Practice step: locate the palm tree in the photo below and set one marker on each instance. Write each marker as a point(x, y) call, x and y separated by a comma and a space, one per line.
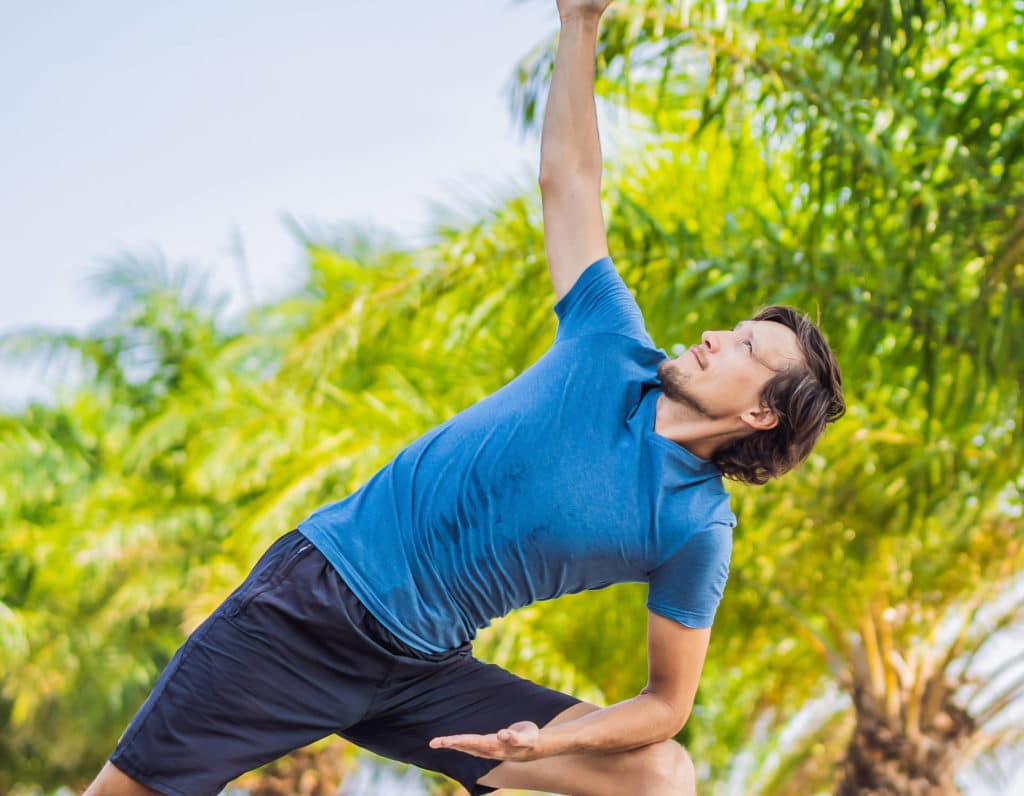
point(840, 157)
point(100, 524)
point(861, 159)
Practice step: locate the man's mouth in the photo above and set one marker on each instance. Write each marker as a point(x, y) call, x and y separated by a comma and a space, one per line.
point(696, 355)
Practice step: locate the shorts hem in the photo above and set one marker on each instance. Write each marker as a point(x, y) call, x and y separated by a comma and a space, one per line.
point(119, 761)
point(475, 788)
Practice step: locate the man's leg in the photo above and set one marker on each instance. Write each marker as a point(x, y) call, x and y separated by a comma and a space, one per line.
point(281, 663)
point(461, 694)
point(661, 769)
point(112, 781)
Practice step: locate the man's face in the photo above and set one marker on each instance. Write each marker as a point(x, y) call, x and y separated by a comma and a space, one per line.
point(723, 377)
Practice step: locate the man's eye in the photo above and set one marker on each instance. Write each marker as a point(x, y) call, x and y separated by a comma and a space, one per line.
point(749, 345)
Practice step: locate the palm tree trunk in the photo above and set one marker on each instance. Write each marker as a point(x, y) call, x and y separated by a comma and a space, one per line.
point(883, 759)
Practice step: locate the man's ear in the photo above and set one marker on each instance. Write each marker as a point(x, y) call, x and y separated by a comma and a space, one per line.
point(761, 419)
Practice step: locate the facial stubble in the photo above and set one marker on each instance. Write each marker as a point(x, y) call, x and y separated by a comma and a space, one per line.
point(675, 387)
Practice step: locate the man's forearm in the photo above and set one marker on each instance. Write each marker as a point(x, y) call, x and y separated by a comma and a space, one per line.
point(637, 722)
point(569, 141)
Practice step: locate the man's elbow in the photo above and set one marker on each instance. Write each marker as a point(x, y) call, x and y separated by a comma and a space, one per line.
point(564, 179)
point(679, 721)
point(674, 716)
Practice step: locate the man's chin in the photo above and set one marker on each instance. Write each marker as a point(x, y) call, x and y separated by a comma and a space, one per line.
point(677, 393)
point(672, 382)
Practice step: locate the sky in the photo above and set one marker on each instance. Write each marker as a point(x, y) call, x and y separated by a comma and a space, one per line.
point(137, 128)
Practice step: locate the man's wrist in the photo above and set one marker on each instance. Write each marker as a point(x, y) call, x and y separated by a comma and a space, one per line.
point(582, 17)
point(572, 737)
point(551, 743)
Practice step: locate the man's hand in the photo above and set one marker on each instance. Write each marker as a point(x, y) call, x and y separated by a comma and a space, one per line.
point(519, 741)
point(571, 8)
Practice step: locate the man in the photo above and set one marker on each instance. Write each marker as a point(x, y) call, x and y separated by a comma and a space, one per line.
point(601, 463)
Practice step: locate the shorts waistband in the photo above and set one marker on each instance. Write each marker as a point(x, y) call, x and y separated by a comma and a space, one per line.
point(373, 627)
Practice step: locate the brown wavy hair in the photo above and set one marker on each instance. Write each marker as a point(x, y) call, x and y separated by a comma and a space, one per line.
point(804, 399)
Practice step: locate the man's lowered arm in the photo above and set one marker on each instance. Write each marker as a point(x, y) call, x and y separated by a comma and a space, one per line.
point(675, 657)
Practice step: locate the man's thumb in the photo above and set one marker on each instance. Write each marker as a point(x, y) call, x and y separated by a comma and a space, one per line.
point(522, 733)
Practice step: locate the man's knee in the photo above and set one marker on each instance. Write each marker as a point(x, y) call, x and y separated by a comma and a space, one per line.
point(670, 770)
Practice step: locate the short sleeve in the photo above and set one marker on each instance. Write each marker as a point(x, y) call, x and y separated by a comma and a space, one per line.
point(599, 302)
point(689, 585)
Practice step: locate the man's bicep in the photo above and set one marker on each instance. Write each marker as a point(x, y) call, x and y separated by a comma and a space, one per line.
point(675, 655)
point(574, 231)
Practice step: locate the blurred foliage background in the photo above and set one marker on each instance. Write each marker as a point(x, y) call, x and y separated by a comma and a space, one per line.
point(859, 160)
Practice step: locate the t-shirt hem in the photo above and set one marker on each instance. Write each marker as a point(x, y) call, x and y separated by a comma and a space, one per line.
point(685, 618)
point(362, 590)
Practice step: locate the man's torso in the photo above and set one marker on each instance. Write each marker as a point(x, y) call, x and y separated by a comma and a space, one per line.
point(554, 484)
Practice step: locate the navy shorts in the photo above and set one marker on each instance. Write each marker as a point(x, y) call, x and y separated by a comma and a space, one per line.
point(292, 656)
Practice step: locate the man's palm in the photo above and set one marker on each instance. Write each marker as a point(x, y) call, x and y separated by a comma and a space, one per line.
point(516, 742)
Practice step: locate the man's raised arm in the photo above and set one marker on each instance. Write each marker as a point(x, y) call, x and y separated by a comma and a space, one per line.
point(570, 150)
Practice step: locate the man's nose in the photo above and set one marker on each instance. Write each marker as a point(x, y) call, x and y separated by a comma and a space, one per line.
point(710, 341)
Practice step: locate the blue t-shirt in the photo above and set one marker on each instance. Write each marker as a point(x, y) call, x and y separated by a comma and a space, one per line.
point(554, 484)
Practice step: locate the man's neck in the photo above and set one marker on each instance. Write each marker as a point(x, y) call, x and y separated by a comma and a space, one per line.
point(699, 434)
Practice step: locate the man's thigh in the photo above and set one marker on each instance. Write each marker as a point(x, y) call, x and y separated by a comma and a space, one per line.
point(424, 699)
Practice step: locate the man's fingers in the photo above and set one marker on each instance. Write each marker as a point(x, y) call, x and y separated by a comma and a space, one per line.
point(486, 744)
point(506, 744)
point(478, 745)
point(460, 740)
point(521, 734)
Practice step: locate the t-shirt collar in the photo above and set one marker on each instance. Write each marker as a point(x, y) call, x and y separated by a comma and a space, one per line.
point(686, 460)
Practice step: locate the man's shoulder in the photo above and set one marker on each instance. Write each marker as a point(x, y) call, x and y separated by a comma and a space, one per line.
point(701, 506)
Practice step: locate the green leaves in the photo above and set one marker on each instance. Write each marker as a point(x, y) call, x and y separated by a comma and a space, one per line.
point(850, 159)
point(862, 162)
